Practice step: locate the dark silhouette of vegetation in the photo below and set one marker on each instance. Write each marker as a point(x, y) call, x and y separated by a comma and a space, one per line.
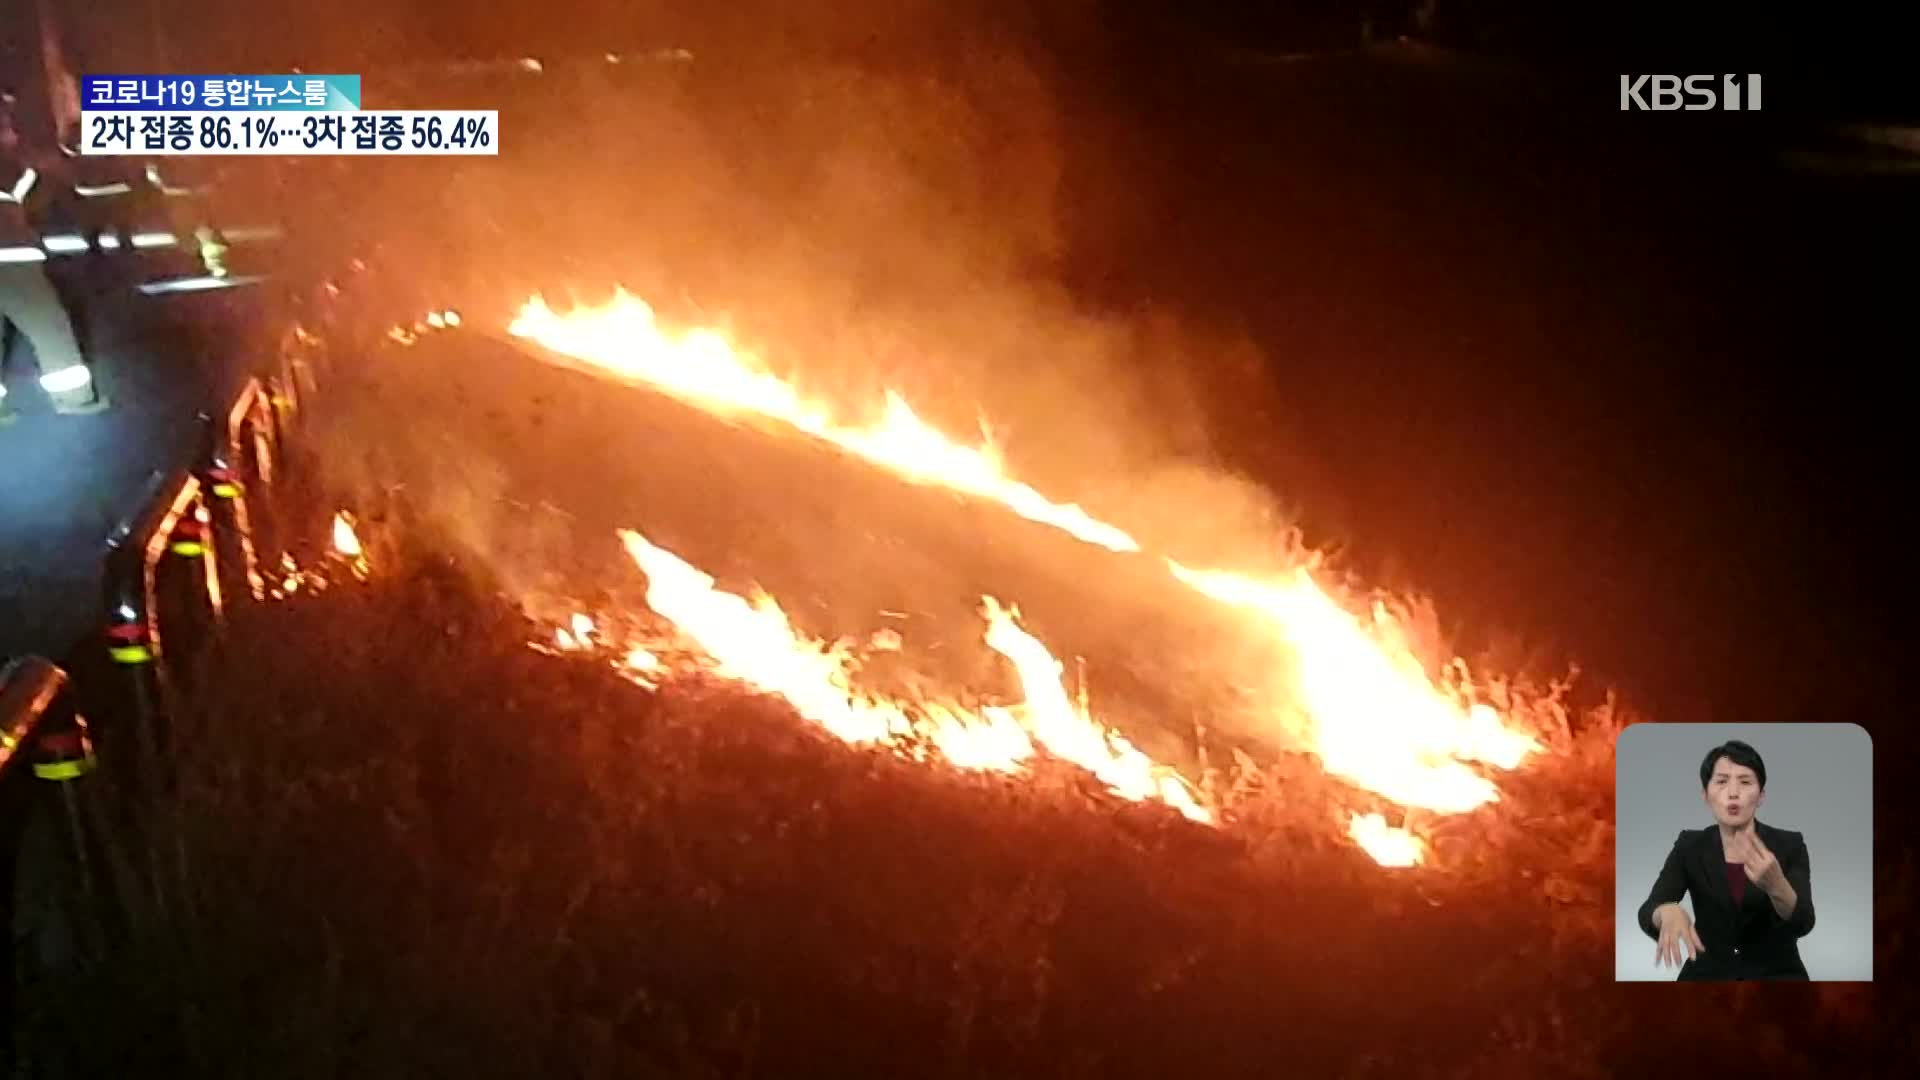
point(401, 843)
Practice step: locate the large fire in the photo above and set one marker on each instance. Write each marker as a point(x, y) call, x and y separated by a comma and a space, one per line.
point(700, 367)
point(1356, 696)
point(753, 642)
point(1375, 717)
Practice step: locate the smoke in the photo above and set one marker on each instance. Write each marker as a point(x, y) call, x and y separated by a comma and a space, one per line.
point(381, 463)
point(894, 199)
point(910, 223)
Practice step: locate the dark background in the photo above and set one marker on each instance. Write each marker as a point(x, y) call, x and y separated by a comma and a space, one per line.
point(1849, 55)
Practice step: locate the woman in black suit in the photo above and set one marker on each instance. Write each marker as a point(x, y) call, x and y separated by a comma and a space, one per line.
point(1752, 893)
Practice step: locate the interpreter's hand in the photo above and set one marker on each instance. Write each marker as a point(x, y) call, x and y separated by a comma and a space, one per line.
point(1677, 936)
point(1762, 868)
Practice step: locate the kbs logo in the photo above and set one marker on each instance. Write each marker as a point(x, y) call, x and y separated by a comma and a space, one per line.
point(1694, 93)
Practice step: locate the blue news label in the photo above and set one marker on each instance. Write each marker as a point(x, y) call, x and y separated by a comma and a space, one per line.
point(433, 132)
point(207, 93)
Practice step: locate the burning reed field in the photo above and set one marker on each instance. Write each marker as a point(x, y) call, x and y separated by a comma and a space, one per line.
point(438, 813)
point(925, 676)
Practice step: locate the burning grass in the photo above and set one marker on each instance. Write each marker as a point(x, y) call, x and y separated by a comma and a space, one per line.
point(403, 843)
point(1313, 667)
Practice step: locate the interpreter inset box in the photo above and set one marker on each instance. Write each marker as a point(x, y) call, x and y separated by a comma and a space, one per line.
point(1743, 852)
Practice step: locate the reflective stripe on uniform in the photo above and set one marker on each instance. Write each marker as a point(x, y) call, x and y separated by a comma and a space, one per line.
point(200, 283)
point(63, 770)
point(160, 183)
point(21, 186)
point(67, 379)
point(218, 243)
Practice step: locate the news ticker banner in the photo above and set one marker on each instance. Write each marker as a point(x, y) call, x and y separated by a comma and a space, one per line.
point(207, 93)
point(227, 115)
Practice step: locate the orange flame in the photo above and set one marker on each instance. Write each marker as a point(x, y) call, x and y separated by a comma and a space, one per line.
point(754, 643)
point(577, 635)
point(700, 367)
point(1388, 846)
point(1364, 703)
point(1068, 732)
point(1373, 715)
point(345, 540)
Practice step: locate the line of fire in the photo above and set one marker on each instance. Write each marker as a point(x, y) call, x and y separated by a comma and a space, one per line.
point(928, 540)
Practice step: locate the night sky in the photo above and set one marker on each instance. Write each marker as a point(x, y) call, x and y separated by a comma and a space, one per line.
point(1855, 53)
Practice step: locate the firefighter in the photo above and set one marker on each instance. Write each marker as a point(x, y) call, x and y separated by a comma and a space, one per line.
point(30, 305)
point(104, 198)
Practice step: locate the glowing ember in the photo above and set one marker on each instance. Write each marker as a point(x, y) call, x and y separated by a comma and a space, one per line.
point(1357, 696)
point(290, 579)
point(1387, 845)
point(576, 635)
point(754, 643)
point(345, 541)
point(290, 575)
